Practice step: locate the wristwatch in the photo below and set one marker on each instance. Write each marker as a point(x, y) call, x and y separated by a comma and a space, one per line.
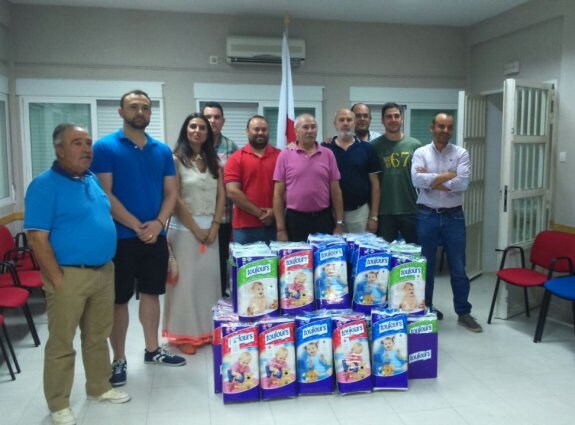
point(374, 218)
point(339, 222)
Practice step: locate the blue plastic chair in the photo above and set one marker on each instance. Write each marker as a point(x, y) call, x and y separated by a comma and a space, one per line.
point(562, 287)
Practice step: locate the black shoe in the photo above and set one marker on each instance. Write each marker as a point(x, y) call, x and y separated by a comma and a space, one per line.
point(469, 323)
point(438, 313)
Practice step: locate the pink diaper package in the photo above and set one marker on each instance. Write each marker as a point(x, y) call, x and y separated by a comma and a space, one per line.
point(351, 353)
point(277, 358)
point(240, 362)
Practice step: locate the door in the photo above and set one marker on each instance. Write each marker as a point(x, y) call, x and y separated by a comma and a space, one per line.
point(525, 195)
point(471, 130)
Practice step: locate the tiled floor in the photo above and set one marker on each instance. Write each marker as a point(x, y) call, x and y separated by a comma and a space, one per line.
point(499, 377)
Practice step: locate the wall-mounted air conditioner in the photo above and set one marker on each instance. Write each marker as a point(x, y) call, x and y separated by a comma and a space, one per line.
point(262, 50)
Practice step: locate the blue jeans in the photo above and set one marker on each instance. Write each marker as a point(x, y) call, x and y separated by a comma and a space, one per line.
point(448, 227)
point(255, 234)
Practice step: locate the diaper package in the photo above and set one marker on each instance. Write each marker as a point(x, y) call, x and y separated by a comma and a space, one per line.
point(254, 282)
point(389, 349)
point(423, 346)
point(351, 353)
point(407, 284)
point(330, 272)
point(295, 277)
point(314, 354)
point(277, 358)
point(240, 368)
point(222, 313)
point(371, 277)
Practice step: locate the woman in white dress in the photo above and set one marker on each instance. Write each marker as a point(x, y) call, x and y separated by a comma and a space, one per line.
point(193, 235)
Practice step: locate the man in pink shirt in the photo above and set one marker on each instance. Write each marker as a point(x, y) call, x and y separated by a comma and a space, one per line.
point(307, 197)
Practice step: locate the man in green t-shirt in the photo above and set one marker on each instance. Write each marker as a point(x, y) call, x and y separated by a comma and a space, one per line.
point(398, 208)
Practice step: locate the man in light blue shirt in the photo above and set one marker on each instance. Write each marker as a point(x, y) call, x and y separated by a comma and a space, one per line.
point(440, 172)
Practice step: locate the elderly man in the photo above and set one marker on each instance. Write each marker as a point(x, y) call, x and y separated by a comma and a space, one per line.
point(225, 147)
point(394, 150)
point(363, 122)
point(307, 183)
point(248, 175)
point(359, 170)
point(138, 174)
point(73, 235)
point(441, 170)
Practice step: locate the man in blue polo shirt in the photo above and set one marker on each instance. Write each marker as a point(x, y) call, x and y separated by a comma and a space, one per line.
point(70, 227)
point(359, 169)
point(138, 174)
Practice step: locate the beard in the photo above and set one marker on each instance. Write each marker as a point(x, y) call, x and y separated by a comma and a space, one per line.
point(345, 134)
point(138, 123)
point(258, 142)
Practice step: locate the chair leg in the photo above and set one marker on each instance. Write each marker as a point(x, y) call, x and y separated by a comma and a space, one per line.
point(526, 301)
point(542, 316)
point(11, 348)
point(31, 325)
point(493, 301)
point(5, 354)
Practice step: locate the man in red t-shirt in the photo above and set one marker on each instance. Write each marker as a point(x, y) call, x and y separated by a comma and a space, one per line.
point(248, 175)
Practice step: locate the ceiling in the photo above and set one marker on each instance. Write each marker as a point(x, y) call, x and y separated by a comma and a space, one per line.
point(417, 12)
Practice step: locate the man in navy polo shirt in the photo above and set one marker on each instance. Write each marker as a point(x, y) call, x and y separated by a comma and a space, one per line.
point(359, 169)
point(74, 239)
point(138, 174)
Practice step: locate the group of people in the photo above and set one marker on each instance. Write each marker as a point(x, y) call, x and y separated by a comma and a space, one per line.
point(103, 218)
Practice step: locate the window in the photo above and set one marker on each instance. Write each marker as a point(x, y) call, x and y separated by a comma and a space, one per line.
point(5, 182)
point(47, 103)
point(419, 107)
point(241, 102)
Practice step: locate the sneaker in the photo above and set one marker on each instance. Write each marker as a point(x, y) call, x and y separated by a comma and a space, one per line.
point(469, 323)
point(163, 356)
point(63, 417)
point(438, 313)
point(119, 373)
point(113, 396)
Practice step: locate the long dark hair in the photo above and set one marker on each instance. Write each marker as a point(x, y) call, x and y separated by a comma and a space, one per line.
point(183, 151)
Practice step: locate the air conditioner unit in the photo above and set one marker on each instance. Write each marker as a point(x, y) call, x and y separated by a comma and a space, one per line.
point(262, 51)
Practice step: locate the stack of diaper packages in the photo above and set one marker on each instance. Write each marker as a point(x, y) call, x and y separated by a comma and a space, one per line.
point(330, 271)
point(389, 349)
point(351, 353)
point(314, 351)
point(254, 281)
point(295, 277)
point(423, 346)
point(240, 362)
point(277, 358)
point(370, 275)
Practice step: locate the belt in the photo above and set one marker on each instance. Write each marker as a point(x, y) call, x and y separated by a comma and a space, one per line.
point(440, 210)
point(83, 266)
point(310, 213)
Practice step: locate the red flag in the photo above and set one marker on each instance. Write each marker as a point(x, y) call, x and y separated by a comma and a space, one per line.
point(286, 114)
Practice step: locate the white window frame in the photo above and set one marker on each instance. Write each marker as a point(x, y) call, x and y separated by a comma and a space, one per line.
point(31, 90)
point(262, 94)
point(412, 98)
point(4, 92)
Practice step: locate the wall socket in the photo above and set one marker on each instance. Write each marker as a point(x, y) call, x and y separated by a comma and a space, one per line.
point(213, 60)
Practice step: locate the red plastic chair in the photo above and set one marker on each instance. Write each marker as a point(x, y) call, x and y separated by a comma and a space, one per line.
point(553, 251)
point(15, 249)
point(10, 347)
point(14, 296)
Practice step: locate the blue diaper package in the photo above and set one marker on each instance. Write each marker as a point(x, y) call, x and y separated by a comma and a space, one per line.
point(389, 349)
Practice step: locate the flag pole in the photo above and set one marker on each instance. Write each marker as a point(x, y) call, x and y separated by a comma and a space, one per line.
point(286, 116)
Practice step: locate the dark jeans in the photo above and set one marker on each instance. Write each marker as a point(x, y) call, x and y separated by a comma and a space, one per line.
point(389, 226)
point(255, 234)
point(300, 225)
point(449, 228)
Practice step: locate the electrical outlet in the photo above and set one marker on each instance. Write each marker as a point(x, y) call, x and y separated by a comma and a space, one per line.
point(213, 60)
